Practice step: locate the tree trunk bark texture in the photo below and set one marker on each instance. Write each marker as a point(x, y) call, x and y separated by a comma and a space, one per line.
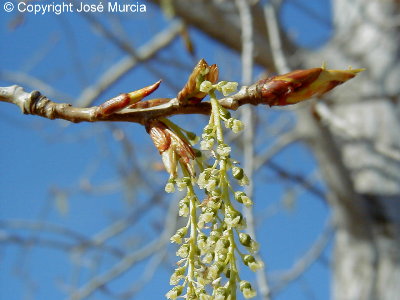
point(363, 128)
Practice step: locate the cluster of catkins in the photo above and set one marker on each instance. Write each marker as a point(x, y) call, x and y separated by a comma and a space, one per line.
point(212, 242)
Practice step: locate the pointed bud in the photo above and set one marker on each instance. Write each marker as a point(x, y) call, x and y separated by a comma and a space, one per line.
point(171, 147)
point(191, 91)
point(159, 134)
point(125, 100)
point(300, 85)
point(138, 95)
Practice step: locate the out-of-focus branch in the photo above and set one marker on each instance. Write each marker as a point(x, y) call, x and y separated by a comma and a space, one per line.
point(126, 263)
point(33, 82)
point(274, 35)
point(282, 142)
point(78, 238)
point(299, 179)
point(150, 269)
point(126, 64)
point(313, 253)
point(248, 135)
point(222, 25)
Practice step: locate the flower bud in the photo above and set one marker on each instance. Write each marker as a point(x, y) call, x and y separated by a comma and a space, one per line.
point(177, 276)
point(248, 259)
point(169, 187)
point(246, 289)
point(221, 291)
point(237, 172)
point(237, 126)
point(174, 292)
point(183, 251)
point(244, 239)
point(229, 87)
point(205, 86)
point(223, 150)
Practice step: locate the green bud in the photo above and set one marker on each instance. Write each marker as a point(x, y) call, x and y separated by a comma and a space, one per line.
point(183, 251)
point(216, 193)
point(174, 292)
point(221, 257)
point(245, 239)
point(238, 196)
point(248, 259)
point(214, 235)
point(244, 284)
point(225, 243)
point(237, 173)
point(201, 237)
point(221, 291)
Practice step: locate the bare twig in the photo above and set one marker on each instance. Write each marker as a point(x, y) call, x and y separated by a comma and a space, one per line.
point(299, 179)
point(35, 104)
point(275, 37)
point(56, 229)
point(313, 253)
point(27, 80)
point(248, 135)
point(282, 142)
point(126, 263)
point(148, 274)
point(126, 64)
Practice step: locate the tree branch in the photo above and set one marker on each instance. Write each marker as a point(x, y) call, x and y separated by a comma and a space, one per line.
point(34, 103)
point(246, 19)
point(127, 63)
point(126, 263)
point(304, 263)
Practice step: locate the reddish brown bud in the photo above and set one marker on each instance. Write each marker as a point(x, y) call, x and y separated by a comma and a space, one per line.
point(150, 103)
point(191, 92)
point(212, 74)
point(122, 101)
point(300, 85)
point(114, 104)
point(170, 146)
point(138, 95)
point(159, 135)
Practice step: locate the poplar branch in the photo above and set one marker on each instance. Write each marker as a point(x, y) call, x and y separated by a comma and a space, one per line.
point(279, 90)
point(34, 103)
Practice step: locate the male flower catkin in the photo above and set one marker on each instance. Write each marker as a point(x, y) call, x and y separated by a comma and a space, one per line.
point(212, 243)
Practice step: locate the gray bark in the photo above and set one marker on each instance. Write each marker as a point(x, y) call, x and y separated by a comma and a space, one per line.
point(363, 127)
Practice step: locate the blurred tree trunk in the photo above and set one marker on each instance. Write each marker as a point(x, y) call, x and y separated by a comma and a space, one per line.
point(355, 134)
point(357, 143)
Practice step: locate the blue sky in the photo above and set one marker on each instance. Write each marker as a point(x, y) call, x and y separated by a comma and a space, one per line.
point(45, 164)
